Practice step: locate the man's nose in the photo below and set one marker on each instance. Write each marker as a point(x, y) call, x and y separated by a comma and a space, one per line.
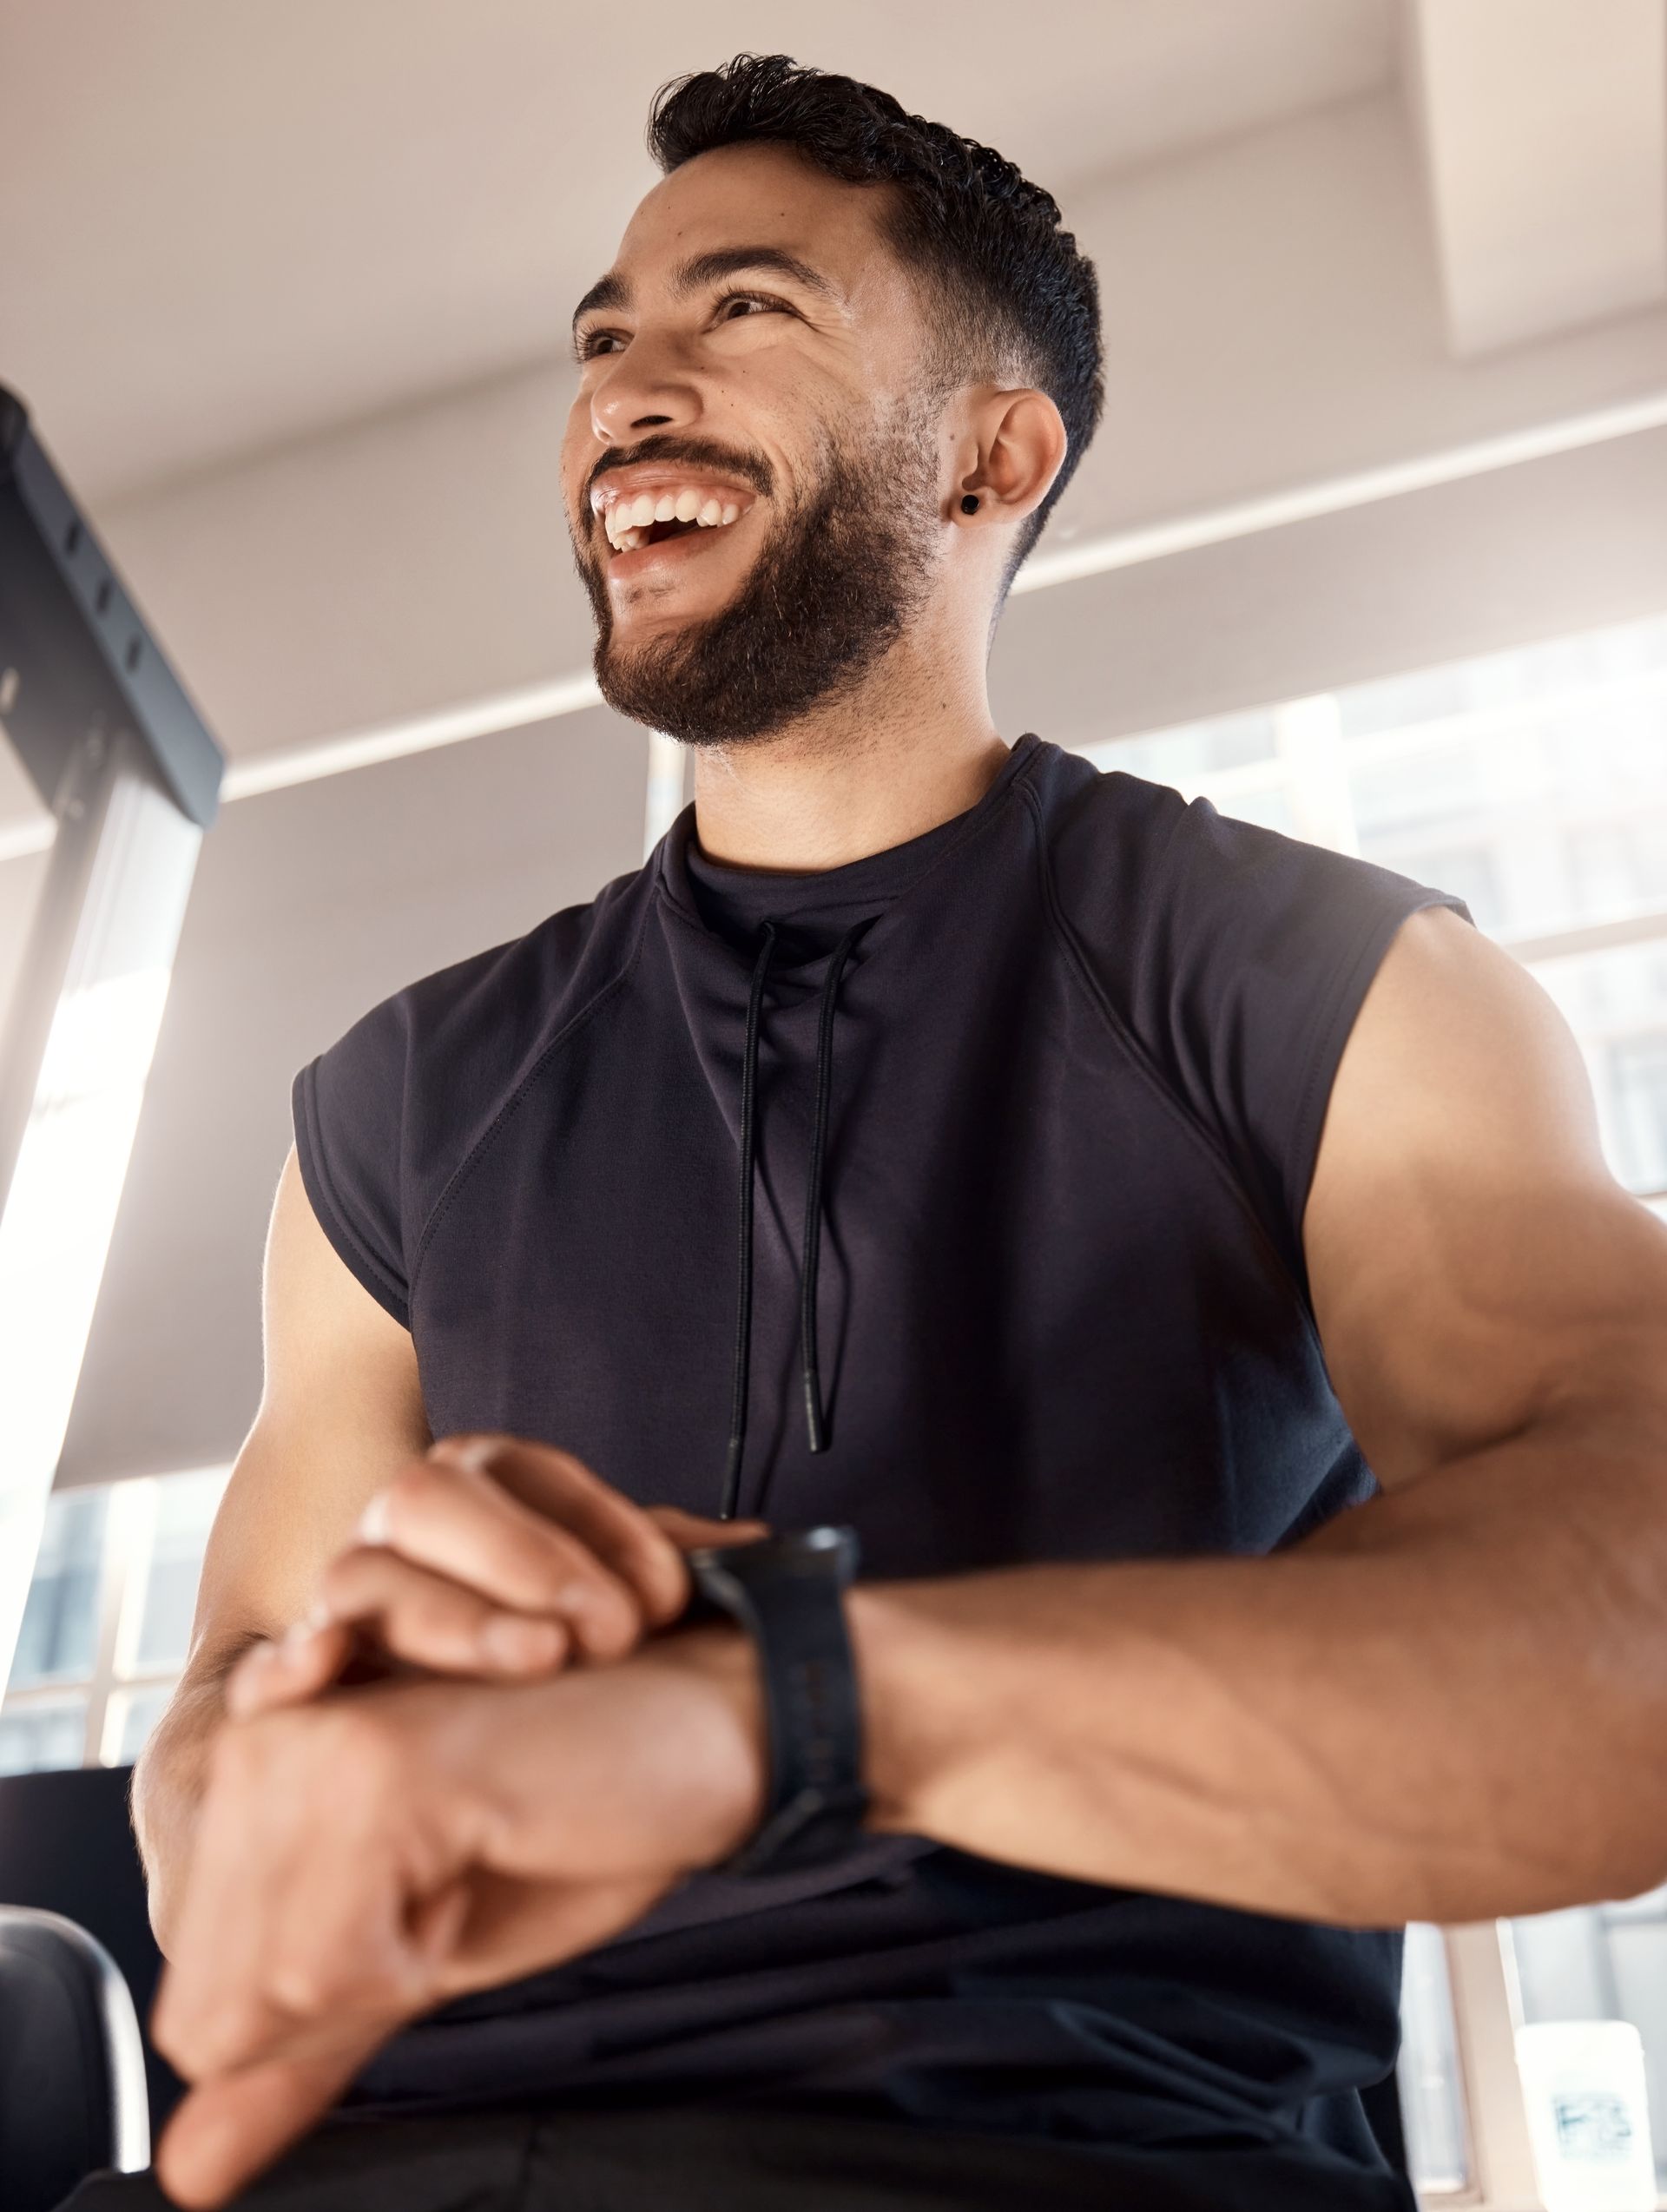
point(646, 389)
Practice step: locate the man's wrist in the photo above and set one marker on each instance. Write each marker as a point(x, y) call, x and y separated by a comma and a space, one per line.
point(723, 1657)
point(789, 1593)
point(661, 1753)
point(916, 1729)
point(913, 1719)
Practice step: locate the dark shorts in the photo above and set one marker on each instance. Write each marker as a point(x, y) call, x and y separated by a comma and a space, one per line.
point(758, 2159)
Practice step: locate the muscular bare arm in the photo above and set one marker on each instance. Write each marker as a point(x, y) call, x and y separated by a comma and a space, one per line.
point(340, 1411)
point(1448, 1703)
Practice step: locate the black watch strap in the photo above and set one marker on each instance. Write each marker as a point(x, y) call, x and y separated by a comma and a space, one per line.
point(787, 1591)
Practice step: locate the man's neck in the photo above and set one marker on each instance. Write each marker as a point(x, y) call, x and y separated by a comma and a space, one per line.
point(855, 779)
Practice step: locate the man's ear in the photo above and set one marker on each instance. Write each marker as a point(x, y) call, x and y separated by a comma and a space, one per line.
point(1014, 448)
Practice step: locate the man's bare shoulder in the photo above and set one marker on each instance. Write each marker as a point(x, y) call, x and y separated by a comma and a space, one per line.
point(1473, 1259)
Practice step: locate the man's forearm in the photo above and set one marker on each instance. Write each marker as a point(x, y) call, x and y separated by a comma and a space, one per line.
point(1448, 1704)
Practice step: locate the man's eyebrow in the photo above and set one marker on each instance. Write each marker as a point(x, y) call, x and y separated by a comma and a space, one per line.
point(732, 260)
point(610, 291)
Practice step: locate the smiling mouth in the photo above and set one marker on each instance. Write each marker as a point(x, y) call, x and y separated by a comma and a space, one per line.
point(635, 519)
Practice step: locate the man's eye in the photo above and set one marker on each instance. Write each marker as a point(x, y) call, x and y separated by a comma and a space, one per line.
point(733, 308)
point(759, 300)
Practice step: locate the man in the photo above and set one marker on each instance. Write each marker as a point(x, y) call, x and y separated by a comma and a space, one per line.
point(1071, 1193)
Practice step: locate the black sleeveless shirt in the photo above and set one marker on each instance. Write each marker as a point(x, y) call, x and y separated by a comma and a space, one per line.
point(1072, 1072)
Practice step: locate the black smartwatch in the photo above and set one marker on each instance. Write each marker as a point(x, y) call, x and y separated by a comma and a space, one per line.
point(787, 1591)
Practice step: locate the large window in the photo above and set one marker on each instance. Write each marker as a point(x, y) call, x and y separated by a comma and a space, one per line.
point(108, 1620)
point(1532, 783)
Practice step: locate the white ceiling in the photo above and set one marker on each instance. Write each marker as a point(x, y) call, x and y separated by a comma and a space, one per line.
point(225, 223)
point(1547, 157)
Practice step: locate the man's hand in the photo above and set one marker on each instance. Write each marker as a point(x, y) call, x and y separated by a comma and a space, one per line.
point(364, 1858)
point(490, 1558)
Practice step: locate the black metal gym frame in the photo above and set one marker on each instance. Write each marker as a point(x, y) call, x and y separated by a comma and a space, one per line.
point(126, 768)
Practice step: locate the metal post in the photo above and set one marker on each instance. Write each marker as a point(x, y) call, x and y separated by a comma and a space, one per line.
point(127, 768)
point(76, 1053)
point(1481, 1965)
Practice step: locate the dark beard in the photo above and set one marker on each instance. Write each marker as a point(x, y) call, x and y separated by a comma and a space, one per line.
point(833, 588)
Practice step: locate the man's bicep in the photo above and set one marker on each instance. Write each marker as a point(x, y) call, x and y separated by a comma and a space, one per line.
point(1472, 1262)
point(340, 1410)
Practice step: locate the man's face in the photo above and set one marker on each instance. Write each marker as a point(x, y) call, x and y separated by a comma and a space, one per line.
point(752, 461)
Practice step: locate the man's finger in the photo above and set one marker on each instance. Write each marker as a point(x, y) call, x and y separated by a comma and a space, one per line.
point(689, 1531)
point(211, 2005)
point(289, 1670)
point(463, 1523)
point(432, 1622)
point(225, 2132)
point(292, 1924)
point(613, 1528)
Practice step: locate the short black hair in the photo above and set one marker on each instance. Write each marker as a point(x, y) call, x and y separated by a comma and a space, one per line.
point(1008, 285)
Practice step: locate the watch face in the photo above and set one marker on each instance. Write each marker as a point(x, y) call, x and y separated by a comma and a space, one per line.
point(817, 1544)
point(822, 1552)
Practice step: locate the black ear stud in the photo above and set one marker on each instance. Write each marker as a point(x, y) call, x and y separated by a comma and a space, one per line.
point(969, 504)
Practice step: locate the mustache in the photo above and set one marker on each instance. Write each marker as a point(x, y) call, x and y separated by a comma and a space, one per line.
point(694, 453)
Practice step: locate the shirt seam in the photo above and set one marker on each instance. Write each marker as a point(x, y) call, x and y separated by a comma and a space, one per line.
point(471, 1159)
point(1202, 1137)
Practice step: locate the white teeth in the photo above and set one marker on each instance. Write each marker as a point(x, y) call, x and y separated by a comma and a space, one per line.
point(628, 520)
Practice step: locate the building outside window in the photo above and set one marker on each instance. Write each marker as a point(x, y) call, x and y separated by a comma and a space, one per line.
point(107, 1624)
point(1533, 783)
